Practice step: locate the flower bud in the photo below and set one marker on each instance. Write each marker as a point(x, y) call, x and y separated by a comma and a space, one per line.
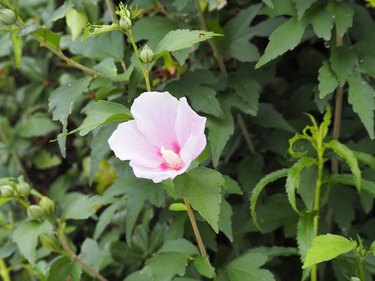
point(34, 212)
point(47, 205)
point(23, 188)
point(146, 55)
point(49, 242)
point(125, 23)
point(7, 17)
point(6, 191)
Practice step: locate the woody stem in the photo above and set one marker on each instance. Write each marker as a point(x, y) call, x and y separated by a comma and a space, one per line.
point(195, 228)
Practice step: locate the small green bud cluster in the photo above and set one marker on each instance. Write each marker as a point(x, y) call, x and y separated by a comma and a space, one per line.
point(7, 17)
point(125, 14)
point(12, 189)
point(146, 55)
point(46, 207)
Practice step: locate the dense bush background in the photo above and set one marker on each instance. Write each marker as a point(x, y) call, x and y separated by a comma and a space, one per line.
point(254, 93)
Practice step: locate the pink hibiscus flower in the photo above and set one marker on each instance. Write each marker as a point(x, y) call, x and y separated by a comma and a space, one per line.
point(165, 136)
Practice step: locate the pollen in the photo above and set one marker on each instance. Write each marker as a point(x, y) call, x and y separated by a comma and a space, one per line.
point(172, 159)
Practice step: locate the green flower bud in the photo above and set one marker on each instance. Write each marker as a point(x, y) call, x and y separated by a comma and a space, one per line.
point(47, 205)
point(49, 242)
point(34, 212)
point(125, 23)
point(23, 188)
point(7, 17)
point(7, 191)
point(146, 55)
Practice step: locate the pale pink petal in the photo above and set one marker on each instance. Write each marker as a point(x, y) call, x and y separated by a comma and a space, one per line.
point(157, 174)
point(128, 143)
point(155, 116)
point(192, 148)
point(188, 123)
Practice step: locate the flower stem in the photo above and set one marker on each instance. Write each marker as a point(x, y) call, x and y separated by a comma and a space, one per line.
point(145, 73)
point(195, 228)
point(318, 186)
point(361, 271)
point(212, 44)
point(73, 256)
point(4, 271)
point(245, 133)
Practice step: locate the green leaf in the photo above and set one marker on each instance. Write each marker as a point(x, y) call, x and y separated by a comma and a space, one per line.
point(170, 260)
point(247, 88)
point(60, 12)
point(102, 112)
point(286, 37)
point(204, 267)
point(202, 187)
point(109, 44)
point(45, 160)
point(247, 267)
point(99, 148)
point(344, 208)
point(35, 125)
point(152, 29)
point(365, 158)
point(348, 155)
point(342, 61)
point(106, 217)
point(26, 237)
point(62, 99)
point(17, 46)
point(76, 22)
point(49, 37)
point(271, 177)
point(361, 97)
point(305, 233)
point(219, 133)
point(343, 16)
point(92, 254)
point(107, 68)
point(275, 251)
point(269, 117)
point(80, 207)
point(348, 179)
point(302, 6)
point(96, 30)
point(293, 179)
point(322, 23)
point(327, 80)
point(225, 219)
point(139, 191)
point(64, 268)
point(181, 39)
point(327, 247)
point(238, 34)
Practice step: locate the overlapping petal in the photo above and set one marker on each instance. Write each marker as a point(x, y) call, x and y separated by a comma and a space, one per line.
point(155, 115)
point(128, 143)
point(188, 123)
point(157, 174)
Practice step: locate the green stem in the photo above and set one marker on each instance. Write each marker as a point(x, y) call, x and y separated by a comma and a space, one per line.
point(316, 207)
point(195, 228)
point(4, 271)
point(245, 133)
point(145, 74)
point(73, 256)
point(361, 271)
point(69, 61)
point(212, 44)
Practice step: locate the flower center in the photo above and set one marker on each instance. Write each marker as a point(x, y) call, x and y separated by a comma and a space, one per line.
point(172, 159)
